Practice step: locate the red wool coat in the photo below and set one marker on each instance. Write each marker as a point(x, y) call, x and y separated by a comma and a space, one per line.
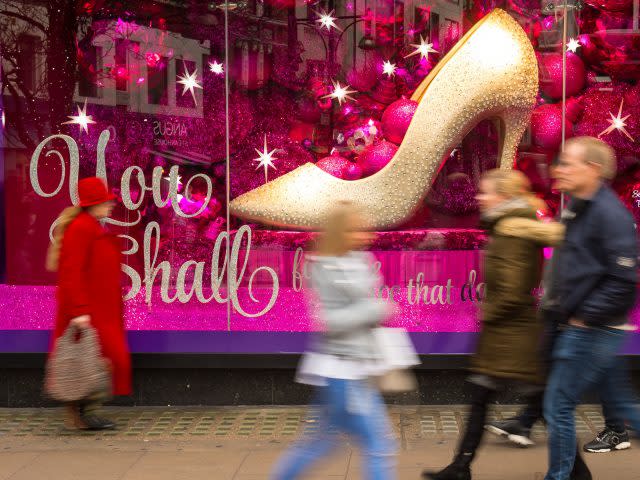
point(89, 283)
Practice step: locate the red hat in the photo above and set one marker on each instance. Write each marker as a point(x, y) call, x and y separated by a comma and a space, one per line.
point(93, 191)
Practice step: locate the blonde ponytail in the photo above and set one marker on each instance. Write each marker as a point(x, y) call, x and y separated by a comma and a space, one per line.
point(56, 233)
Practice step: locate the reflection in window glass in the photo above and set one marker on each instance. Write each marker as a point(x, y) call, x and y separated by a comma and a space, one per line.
point(157, 82)
point(164, 98)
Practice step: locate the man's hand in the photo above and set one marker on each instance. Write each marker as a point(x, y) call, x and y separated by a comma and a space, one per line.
point(83, 321)
point(574, 322)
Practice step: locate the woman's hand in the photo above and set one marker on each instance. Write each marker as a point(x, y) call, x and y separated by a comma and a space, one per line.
point(83, 321)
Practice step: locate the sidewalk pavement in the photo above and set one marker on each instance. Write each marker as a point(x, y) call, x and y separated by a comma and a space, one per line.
point(242, 443)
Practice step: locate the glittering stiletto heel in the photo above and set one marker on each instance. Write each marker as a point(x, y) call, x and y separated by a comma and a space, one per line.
point(513, 122)
point(490, 73)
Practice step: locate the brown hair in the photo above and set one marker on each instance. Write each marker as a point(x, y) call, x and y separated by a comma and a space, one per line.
point(333, 239)
point(597, 152)
point(512, 184)
point(59, 227)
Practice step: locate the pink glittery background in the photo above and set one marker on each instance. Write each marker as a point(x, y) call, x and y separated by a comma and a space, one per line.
point(33, 307)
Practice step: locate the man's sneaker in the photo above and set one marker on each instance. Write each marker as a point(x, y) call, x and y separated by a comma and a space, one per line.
point(608, 440)
point(512, 430)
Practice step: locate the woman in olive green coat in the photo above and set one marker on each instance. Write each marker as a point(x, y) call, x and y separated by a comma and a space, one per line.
point(509, 342)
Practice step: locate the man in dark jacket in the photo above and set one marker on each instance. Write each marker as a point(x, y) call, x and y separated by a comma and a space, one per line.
point(591, 289)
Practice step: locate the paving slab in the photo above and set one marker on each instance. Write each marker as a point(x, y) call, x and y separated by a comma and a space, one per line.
point(243, 443)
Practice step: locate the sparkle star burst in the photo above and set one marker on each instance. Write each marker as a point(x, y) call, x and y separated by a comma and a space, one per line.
point(327, 20)
point(573, 45)
point(424, 49)
point(265, 159)
point(216, 67)
point(189, 81)
point(389, 68)
point(617, 123)
point(341, 93)
point(82, 119)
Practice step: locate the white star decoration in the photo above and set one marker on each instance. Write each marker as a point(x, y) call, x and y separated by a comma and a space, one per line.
point(424, 49)
point(82, 119)
point(389, 68)
point(189, 81)
point(327, 20)
point(216, 67)
point(617, 123)
point(341, 93)
point(573, 45)
point(265, 159)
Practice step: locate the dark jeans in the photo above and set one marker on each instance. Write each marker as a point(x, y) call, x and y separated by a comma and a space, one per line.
point(582, 360)
point(533, 412)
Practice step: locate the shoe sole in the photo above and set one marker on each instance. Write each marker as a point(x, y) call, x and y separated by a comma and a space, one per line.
point(620, 446)
point(519, 440)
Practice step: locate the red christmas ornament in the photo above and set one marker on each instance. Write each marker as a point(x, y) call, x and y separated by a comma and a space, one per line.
point(551, 74)
point(546, 127)
point(396, 119)
point(375, 157)
point(385, 92)
point(593, 52)
point(335, 165)
point(574, 109)
point(354, 172)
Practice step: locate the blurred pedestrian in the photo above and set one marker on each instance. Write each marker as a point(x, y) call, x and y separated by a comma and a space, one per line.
point(344, 355)
point(87, 259)
point(507, 352)
point(592, 289)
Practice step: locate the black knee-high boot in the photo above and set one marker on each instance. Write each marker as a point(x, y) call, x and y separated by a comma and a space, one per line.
point(580, 470)
point(460, 468)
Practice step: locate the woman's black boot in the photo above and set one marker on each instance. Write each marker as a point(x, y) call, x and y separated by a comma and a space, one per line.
point(460, 469)
point(580, 470)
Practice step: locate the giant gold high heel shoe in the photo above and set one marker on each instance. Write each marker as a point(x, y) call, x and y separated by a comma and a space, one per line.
point(491, 72)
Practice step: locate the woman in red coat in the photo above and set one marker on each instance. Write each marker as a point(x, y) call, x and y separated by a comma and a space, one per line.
point(87, 258)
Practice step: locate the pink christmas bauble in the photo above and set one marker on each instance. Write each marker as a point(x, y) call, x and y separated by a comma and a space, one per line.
point(551, 74)
point(396, 119)
point(546, 127)
point(335, 165)
point(354, 172)
point(375, 157)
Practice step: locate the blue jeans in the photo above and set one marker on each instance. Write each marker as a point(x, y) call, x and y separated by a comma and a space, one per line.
point(534, 409)
point(617, 394)
point(583, 358)
point(352, 407)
